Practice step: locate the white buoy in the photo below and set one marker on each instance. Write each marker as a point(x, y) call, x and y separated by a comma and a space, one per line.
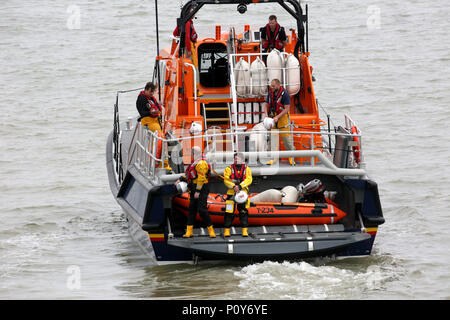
point(196, 128)
point(290, 194)
point(271, 195)
point(292, 75)
point(182, 187)
point(275, 64)
point(258, 73)
point(241, 197)
point(242, 77)
point(257, 138)
point(269, 123)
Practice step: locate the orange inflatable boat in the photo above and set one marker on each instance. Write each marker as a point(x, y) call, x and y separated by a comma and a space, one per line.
point(268, 213)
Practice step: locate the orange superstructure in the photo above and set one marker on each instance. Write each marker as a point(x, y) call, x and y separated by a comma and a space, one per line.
point(198, 88)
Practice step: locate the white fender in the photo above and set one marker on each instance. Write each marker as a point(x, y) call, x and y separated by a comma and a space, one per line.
point(182, 187)
point(242, 77)
point(275, 64)
point(269, 123)
point(258, 137)
point(258, 73)
point(292, 75)
point(241, 197)
point(271, 195)
point(196, 128)
point(290, 194)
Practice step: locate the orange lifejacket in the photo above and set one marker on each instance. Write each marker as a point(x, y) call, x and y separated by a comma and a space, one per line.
point(191, 173)
point(275, 105)
point(274, 41)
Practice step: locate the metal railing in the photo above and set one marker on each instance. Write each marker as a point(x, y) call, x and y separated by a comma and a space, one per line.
point(149, 151)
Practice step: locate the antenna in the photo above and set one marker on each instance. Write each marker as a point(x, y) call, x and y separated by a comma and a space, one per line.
point(157, 50)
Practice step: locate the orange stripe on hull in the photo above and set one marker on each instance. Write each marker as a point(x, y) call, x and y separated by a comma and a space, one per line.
point(156, 237)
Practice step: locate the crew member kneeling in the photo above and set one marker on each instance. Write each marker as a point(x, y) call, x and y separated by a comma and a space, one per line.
point(197, 175)
point(237, 177)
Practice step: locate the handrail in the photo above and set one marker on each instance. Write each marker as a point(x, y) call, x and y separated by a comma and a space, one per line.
point(195, 84)
point(144, 145)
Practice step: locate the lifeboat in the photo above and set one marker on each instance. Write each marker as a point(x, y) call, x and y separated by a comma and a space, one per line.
point(213, 90)
point(269, 213)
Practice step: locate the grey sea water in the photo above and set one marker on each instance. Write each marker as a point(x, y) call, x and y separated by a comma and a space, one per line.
point(63, 236)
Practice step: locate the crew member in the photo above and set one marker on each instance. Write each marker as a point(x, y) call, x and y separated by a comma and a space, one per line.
point(237, 177)
point(149, 109)
point(273, 35)
point(277, 108)
point(190, 37)
point(197, 175)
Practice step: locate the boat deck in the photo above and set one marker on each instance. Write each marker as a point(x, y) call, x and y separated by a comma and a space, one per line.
point(293, 241)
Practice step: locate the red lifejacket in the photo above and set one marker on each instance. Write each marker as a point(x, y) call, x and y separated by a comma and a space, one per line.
point(273, 42)
point(238, 175)
point(191, 35)
point(275, 104)
point(191, 173)
point(154, 107)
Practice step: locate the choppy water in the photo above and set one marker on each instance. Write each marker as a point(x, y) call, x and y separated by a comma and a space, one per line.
point(62, 235)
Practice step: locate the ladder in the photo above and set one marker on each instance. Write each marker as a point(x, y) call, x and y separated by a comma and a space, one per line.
point(213, 115)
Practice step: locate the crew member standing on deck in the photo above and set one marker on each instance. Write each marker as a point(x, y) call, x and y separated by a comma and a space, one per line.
point(273, 35)
point(190, 37)
point(149, 109)
point(277, 108)
point(237, 177)
point(197, 176)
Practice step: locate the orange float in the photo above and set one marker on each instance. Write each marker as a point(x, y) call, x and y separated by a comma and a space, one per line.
point(268, 213)
point(356, 151)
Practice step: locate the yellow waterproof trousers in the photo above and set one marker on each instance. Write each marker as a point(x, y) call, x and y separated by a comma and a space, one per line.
point(152, 124)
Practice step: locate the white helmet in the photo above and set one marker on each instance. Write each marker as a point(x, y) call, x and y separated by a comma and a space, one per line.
point(196, 128)
point(241, 197)
point(269, 123)
point(182, 187)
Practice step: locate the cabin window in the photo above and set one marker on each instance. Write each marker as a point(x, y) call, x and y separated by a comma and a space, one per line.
point(213, 65)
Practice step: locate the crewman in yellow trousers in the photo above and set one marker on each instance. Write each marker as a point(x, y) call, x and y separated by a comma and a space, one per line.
point(149, 109)
point(277, 108)
point(237, 177)
point(197, 176)
point(150, 112)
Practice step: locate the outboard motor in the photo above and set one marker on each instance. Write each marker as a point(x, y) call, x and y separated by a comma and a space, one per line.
point(312, 192)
